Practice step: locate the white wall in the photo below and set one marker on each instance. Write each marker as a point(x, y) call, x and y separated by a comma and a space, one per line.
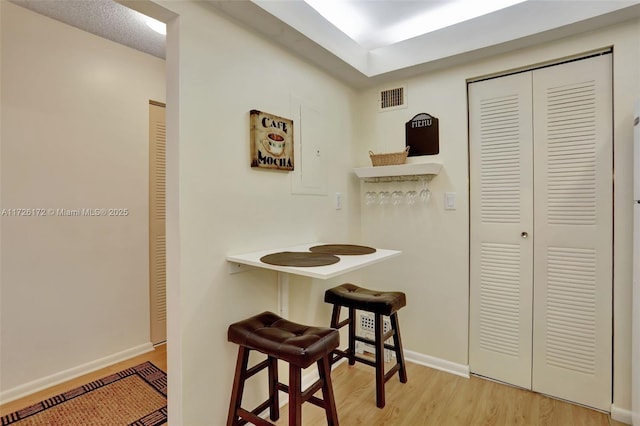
point(218, 205)
point(74, 135)
point(434, 267)
point(218, 72)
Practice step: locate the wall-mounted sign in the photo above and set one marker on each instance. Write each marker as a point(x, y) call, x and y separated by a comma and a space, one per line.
point(271, 141)
point(422, 135)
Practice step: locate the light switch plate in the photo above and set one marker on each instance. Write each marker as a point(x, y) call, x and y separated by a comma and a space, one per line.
point(449, 200)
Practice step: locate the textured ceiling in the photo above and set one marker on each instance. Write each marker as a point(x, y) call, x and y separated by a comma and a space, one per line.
point(104, 18)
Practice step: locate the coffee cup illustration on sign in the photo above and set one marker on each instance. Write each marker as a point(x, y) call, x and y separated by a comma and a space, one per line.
point(271, 141)
point(274, 143)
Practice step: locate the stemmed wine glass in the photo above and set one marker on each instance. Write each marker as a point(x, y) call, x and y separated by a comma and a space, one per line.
point(397, 196)
point(384, 196)
point(412, 194)
point(424, 194)
point(371, 198)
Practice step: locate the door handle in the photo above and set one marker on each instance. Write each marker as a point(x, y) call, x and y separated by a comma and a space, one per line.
point(524, 234)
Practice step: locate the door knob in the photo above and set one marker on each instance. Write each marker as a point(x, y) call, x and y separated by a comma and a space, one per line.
point(524, 234)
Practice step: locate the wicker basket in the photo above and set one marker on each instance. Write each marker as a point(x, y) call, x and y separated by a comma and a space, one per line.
point(391, 159)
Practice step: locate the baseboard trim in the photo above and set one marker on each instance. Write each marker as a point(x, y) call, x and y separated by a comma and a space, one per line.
point(621, 414)
point(438, 363)
point(409, 356)
point(63, 376)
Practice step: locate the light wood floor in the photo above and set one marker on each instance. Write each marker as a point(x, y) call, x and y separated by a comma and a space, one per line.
point(430, 397)
point(158, 357)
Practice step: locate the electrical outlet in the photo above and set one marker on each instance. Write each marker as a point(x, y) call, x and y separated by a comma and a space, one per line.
point(338, 201)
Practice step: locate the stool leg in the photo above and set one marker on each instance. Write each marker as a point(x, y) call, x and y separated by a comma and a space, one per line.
point(295, 396)
point(335, 321)
point(397, 342)
point(379, 345)
point(238, 385)
point(324, 371)
point(274, 407)
point(352, 336)
point(335, 316)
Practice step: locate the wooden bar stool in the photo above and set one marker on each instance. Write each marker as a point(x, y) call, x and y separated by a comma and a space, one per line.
point(300, 346)
point(380, 303)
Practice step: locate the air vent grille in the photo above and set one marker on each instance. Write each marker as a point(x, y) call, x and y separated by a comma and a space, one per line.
point(391, 99)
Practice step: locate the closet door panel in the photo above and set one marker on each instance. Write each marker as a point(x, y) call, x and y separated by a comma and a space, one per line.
point(501, 210)
point(157, 217)
point(572, 106)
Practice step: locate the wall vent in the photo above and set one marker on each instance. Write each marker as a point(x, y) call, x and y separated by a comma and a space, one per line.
point(391, 99)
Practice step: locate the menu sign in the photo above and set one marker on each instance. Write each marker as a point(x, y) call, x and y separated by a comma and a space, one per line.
point(422, 135)
point(271, 141)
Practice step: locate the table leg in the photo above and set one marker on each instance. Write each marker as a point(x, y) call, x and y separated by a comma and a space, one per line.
point(283, 294)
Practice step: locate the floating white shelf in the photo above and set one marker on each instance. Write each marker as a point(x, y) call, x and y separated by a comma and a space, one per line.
point(412, 169)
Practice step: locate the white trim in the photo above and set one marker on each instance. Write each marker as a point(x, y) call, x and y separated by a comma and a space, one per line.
point(71, 373)
point(409, 356)
point(622, 415)
point(438, 363)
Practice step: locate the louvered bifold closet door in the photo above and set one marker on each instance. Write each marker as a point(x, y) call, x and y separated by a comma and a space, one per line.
point(501, 172)
point(157, 208)
point(573, 231)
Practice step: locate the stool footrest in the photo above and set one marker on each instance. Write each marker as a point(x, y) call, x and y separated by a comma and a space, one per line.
point(257, 368)
point(364, 360)
point(338, 354)
point(372, 342)
point(391, 372)
point(307, 394)
point(342, 323)
point(252, 416)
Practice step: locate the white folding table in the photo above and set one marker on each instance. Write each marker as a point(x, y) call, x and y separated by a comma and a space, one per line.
point(346, 264)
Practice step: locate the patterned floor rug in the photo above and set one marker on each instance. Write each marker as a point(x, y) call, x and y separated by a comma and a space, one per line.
point(136, 396)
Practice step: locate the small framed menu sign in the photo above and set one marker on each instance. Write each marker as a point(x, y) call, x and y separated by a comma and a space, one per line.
point(271, 141)
point(422, 135)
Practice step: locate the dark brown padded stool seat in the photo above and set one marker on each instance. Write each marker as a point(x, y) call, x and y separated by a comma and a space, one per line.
point(297, 344)
point(350, 295)
point(380, 303)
